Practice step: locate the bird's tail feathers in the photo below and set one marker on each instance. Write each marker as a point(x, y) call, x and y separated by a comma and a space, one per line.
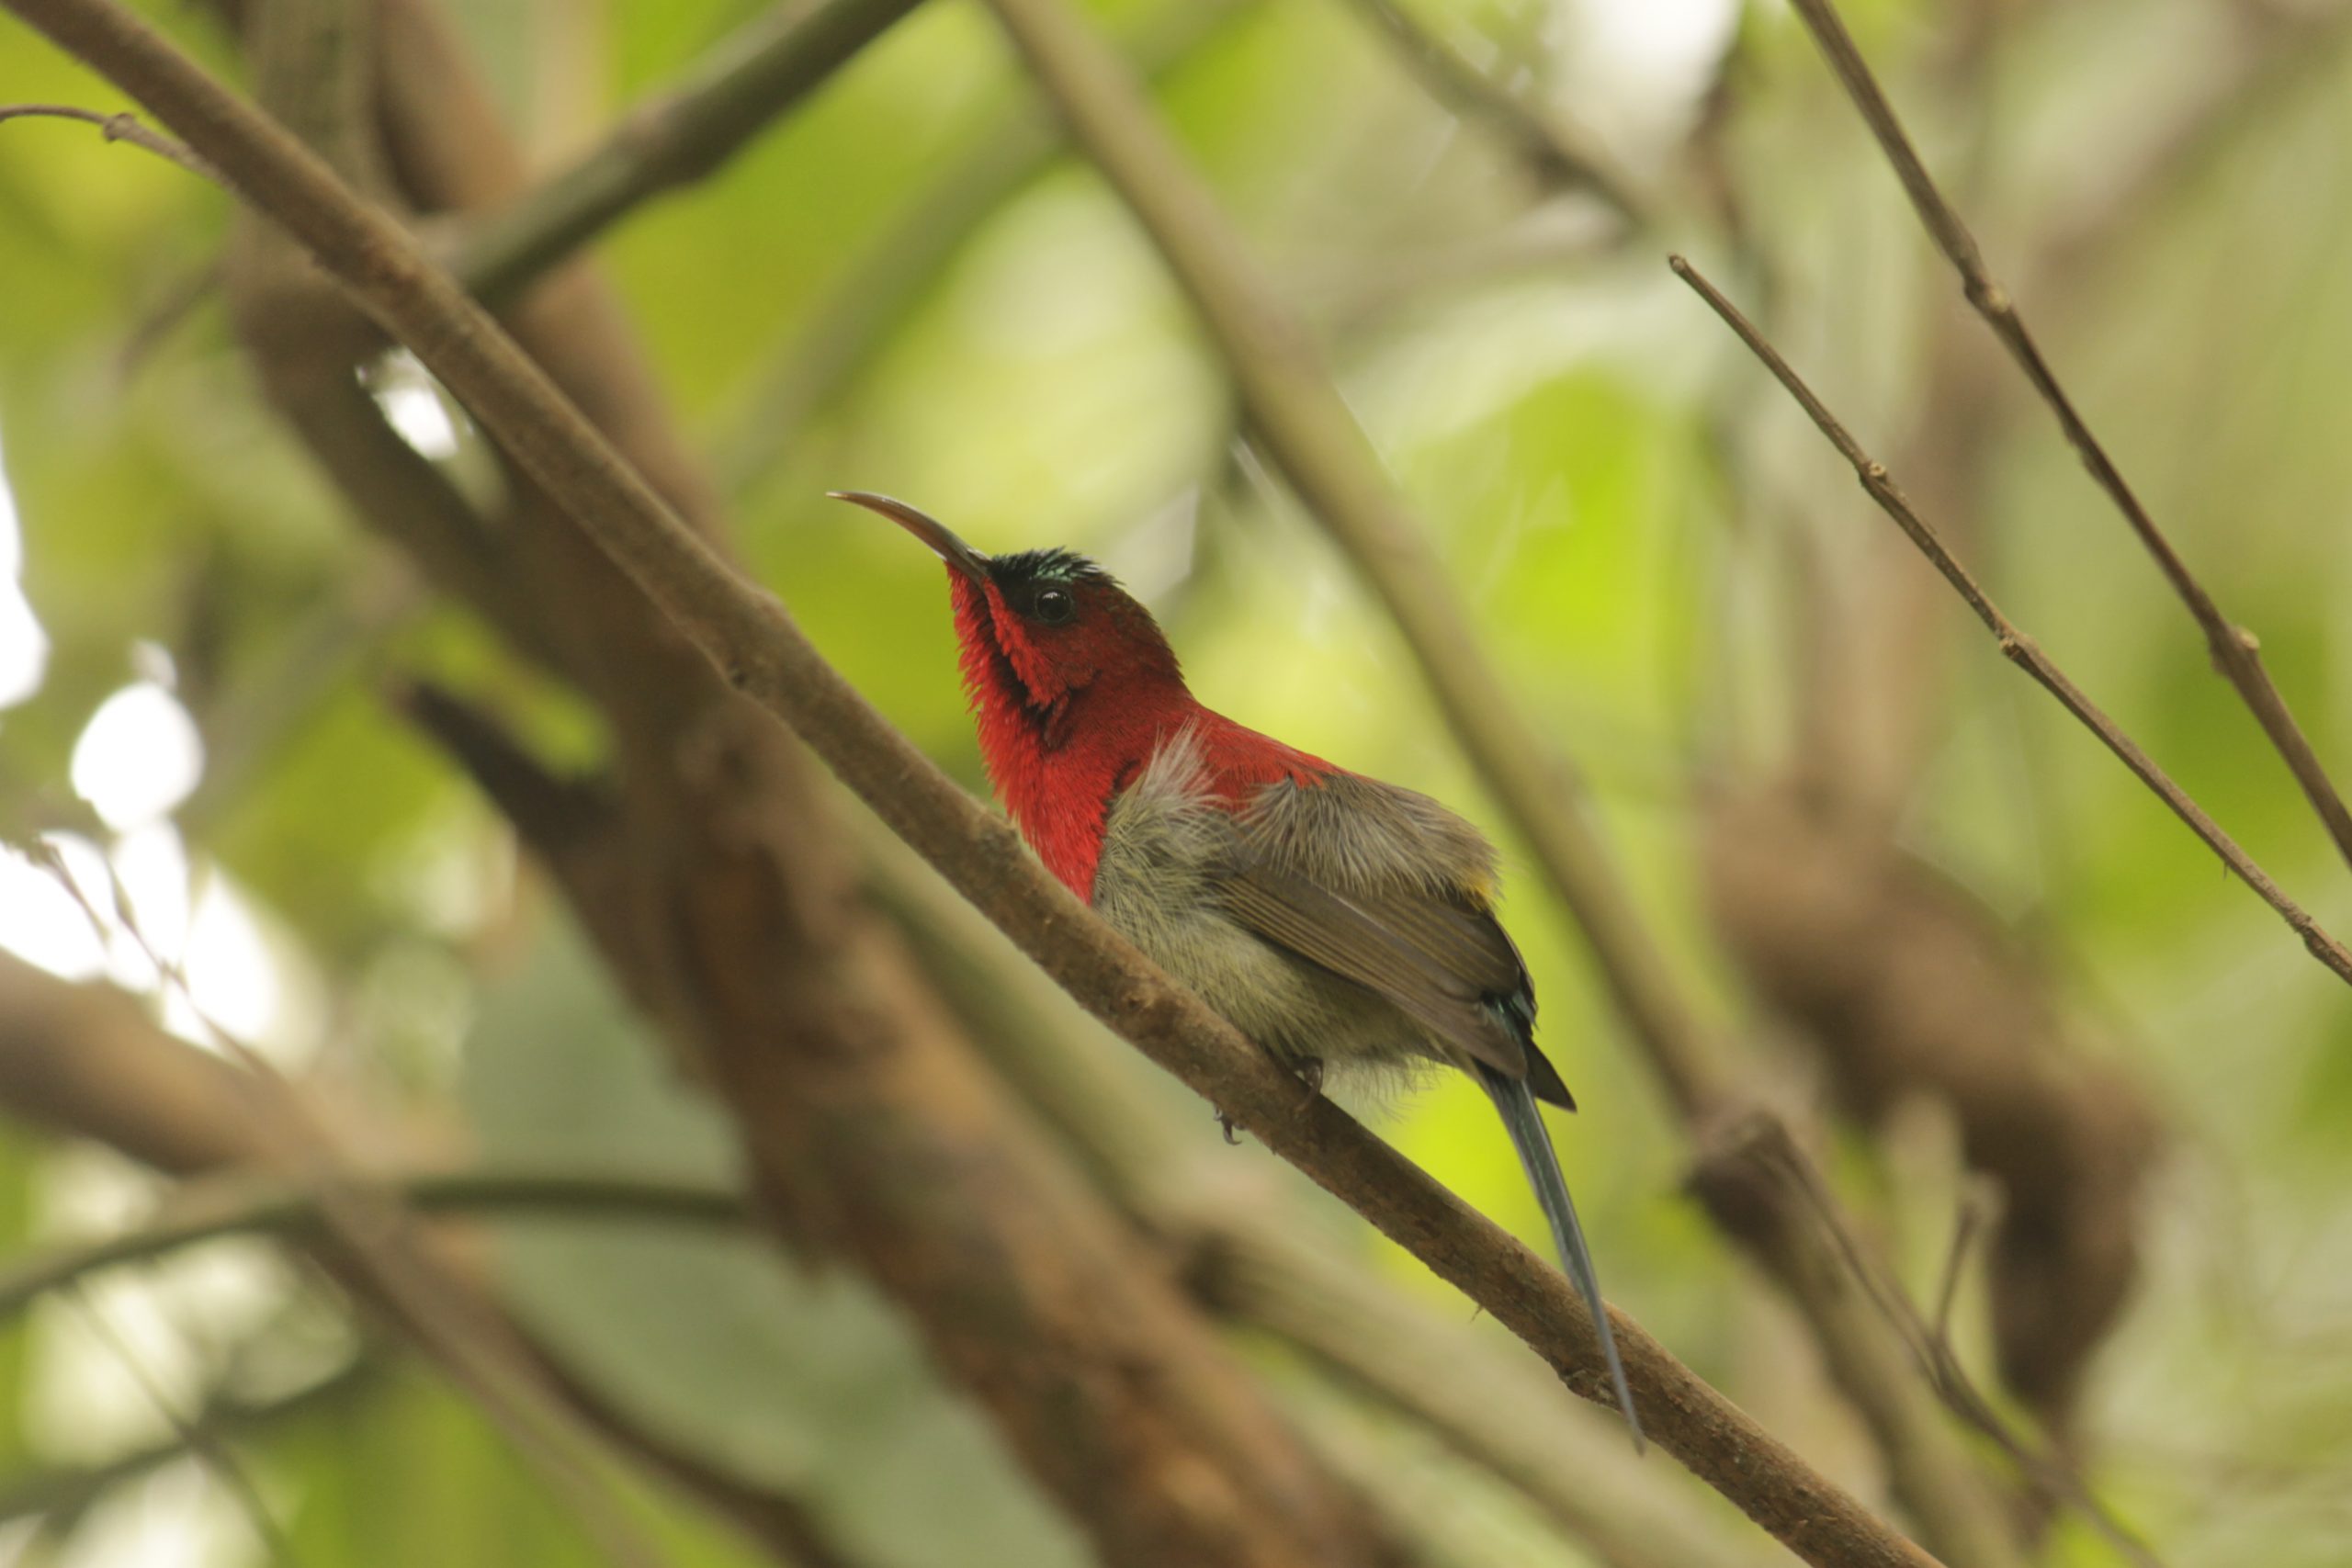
point(1524, 1123)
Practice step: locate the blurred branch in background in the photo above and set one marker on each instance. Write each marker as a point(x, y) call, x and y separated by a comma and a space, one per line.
point(2235, 652)
point(1909, 987)
point(68, 1492)
point(879, 282)
point(242, 1202)
point(673, 140)
point(1556, 158)
point(82, 1060)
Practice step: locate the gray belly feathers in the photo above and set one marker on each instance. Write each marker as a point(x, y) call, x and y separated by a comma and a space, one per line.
point(1169, 853)
point(1345, 922)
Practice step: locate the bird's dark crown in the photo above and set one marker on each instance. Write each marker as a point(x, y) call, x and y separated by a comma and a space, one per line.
point(1028, 567)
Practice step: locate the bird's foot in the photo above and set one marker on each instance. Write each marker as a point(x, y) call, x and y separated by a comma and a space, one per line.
point(1225, 1124)
point(1310, 1075)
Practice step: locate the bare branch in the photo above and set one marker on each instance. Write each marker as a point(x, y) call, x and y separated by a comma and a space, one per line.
point(85, 1060)
point(675, 140)
point(880, 280)
point(2235, 652)
point(247, 1201)
point(2016, 647)
point(749, 639)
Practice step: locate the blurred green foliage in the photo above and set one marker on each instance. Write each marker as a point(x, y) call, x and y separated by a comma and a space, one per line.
point(1628, 508)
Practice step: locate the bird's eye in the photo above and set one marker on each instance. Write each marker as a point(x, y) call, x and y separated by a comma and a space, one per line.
point(1054, 605)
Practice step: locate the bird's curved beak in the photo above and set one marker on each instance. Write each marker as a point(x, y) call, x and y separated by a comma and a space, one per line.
point(922, 525)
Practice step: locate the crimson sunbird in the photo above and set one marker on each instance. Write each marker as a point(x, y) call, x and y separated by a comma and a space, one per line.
point(1332, 919)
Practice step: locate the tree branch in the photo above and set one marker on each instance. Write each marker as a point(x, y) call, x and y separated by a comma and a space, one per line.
point(247, 1201)
point(674, 140)
point(1253, 1258)
point(879, 282)
point(2016, 647)
point(1553, 158)
point(748, 636)
point(2235, 652)
point(85, 1060)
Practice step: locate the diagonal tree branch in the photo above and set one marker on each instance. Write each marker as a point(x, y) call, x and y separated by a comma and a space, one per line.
point(85, 1060)
point(2234, 650)
point(1260, 1262)
point(674, 140)
point(2016, 647)
point(850, 322)
point(749, 639)
point(246, 1201)
point(703, 873)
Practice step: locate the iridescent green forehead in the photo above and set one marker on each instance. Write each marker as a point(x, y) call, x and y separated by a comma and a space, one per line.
point(1035, 566)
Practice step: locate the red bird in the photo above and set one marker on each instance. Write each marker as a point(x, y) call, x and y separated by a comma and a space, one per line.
point(1332, 918)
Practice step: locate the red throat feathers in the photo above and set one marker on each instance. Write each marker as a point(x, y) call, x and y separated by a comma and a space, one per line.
point(1069, 712)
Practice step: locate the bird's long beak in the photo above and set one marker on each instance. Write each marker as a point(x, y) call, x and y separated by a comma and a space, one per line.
point(923, 526)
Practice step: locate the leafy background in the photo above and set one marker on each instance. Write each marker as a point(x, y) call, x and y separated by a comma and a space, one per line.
point(1642, 532)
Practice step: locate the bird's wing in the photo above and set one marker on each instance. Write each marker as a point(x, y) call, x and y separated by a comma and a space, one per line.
point(1414, 952)
point(1395, 915)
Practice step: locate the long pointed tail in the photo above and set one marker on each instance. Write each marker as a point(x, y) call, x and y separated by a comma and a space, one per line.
point(1534, 1142)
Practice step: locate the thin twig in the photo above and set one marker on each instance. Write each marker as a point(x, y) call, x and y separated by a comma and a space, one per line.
point(753, 642)
point(1966, 1223)
point(242, 1203)
point(2050, 1470)
point(121, 127)
point(2016, 647)
point(2235, 652)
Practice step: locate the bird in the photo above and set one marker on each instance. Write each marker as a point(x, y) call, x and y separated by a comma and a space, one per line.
point(1335, 919)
